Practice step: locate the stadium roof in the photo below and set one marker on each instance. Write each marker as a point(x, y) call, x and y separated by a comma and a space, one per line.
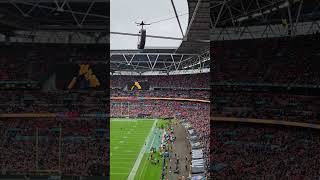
point(197, 35)
point(33, 19)
point(164, 61)
point(249, 19)
point(193, 52)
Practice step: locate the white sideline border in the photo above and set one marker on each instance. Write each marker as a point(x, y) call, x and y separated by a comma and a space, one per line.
point(141, 154)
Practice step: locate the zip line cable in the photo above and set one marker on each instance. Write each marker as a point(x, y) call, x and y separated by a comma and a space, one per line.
point(168, 18)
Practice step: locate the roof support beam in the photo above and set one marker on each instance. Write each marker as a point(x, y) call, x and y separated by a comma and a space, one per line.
point(177, 17)
point(65, 10)
point(290, 28)
point(161, 54)
point(298, 16)
point(192, 19)
point(262, 31)
point(140, 62)
point(218, 18)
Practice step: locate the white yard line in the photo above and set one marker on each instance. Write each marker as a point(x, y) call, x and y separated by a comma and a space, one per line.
point(141, 154)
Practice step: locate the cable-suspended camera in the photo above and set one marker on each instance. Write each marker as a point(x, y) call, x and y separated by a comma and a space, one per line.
point(142, 35)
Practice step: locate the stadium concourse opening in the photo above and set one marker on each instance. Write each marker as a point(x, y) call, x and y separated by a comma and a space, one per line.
point(53, 81)
point(160, 93)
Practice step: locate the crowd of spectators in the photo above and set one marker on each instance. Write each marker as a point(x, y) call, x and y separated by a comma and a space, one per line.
point(265, 79)
point(274, 60)
point(84, 146)
point(38, 144)
point(53, 144)
point(267, 105)
point(255, 151)
point(168, 93)
point(186, 81)
point(52, 102)
point(13, 69)
point(279, 80)
point(33, 61)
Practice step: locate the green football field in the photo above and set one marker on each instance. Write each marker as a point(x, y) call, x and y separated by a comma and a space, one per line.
point(130, 142)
